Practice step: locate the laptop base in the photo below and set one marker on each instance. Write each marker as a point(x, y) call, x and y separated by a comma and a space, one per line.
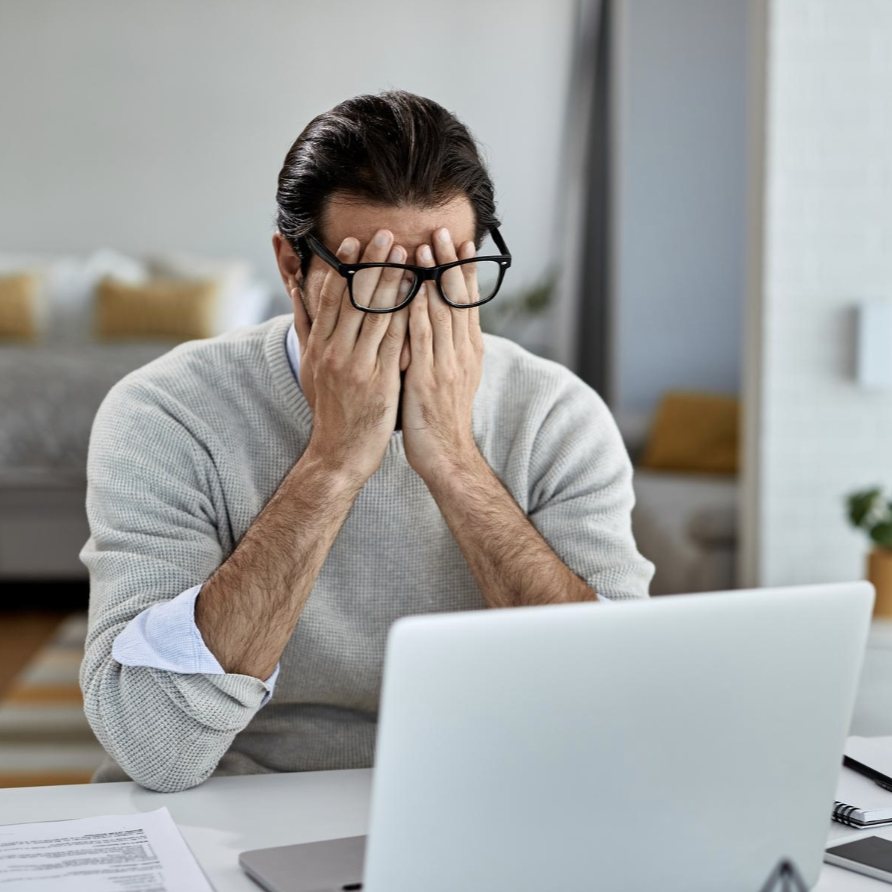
point(332, 865)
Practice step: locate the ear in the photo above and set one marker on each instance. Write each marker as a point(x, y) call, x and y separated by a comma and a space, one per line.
point(288, 261)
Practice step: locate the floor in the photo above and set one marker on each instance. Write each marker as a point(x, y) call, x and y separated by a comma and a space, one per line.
point(30, 612)
point(21, 634)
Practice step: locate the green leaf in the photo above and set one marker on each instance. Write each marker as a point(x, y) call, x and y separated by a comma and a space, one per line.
point(860, 504)
point(538, 298)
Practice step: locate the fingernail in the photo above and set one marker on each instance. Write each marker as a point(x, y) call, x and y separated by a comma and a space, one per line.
point(346, 246)
point(395, 255)
point(426, 253)
point(381, 238)
point(444, 236)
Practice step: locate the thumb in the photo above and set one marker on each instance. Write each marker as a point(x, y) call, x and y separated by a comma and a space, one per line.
point(301, 319)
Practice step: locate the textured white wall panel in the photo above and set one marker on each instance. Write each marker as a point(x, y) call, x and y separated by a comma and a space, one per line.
point(826, 245)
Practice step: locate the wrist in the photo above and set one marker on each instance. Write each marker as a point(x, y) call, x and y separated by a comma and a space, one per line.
point(339, 476)
point(455, 470)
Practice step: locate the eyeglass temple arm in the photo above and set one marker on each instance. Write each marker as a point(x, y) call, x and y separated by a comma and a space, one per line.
point(500, 242)
point(324, 253)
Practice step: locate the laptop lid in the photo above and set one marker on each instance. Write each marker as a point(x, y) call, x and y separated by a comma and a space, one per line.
point(684, 743)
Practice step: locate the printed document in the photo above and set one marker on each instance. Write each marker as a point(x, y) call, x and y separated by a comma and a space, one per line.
point(137, 853)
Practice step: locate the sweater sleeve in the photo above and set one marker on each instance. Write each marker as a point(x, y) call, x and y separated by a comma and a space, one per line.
point(165, 636)
point(153, 533)
point(581, 495)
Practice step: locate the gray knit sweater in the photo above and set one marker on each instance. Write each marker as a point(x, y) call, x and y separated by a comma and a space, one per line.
point(184, 454)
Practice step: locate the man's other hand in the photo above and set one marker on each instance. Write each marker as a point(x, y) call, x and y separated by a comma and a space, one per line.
point(445, 368)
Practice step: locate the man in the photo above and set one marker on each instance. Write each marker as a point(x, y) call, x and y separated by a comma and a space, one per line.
point(264, 504)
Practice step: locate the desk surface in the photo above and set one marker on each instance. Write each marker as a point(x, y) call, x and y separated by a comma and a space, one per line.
point(228, 815)
point(221, 817)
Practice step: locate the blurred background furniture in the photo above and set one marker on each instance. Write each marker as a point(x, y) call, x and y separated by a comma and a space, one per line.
point(687, 491)
point(66, 350)
point(687, 525)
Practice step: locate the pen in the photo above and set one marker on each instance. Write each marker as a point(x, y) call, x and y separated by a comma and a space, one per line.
point(880, 779)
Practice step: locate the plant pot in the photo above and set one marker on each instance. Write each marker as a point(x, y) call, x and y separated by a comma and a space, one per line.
point(879, 572)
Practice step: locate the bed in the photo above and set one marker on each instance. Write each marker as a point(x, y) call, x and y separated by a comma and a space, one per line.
point(51, 387)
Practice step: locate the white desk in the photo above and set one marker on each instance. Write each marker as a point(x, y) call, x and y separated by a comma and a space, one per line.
point(221, 817)
point(872, 716)
point(227, 815)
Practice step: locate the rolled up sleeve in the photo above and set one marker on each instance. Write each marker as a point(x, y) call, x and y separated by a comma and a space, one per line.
point(154, 532)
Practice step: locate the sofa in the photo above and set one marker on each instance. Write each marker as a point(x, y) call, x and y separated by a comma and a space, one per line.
point(683, 521)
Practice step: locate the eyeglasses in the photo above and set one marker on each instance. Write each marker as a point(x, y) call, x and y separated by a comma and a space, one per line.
point(388, 287)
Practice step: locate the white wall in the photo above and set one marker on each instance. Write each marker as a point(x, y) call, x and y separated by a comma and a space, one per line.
point(823, 241)
point(679, 198)
point(163, 125)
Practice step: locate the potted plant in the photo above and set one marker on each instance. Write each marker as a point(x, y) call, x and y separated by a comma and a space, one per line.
point(510, 315)
point(869, 510)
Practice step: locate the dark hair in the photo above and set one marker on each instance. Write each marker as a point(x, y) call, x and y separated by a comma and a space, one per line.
point(392, 149)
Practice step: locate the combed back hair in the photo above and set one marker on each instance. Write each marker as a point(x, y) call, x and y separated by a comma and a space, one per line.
point(393, 149)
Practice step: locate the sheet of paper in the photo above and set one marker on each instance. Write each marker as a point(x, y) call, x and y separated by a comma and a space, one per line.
point(138, 853)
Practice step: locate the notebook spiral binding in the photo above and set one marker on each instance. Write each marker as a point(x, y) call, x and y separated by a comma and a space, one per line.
point(843, 814)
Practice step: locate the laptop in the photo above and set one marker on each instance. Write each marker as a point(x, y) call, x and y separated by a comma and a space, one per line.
point(685, 743)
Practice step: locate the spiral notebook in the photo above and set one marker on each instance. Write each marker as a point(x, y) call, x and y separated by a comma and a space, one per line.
point(860, 802)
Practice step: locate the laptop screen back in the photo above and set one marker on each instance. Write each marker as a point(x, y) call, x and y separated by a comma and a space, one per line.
point(685, 743)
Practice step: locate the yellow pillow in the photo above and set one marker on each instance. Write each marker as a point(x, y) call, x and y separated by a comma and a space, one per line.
point(161, 308)
point(697, 432)
point(19, 308)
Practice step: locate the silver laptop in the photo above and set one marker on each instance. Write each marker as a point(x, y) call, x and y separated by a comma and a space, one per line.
point(686, 744)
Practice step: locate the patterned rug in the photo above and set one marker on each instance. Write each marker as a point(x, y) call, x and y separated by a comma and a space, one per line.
point(44, 735)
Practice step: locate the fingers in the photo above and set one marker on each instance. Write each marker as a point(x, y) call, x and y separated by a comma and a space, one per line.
point(334, 298)
point(465, 252)
point(379, 288)
point(453, 283)
point(301, 319)
point(406, 352)
point(394, 342)
point(439, 313)
point(385, 333)
point(420, 329)
point(382, 288)
point(370, 288)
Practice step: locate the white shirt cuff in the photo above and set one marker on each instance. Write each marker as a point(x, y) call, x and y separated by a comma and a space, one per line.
point(164, 636)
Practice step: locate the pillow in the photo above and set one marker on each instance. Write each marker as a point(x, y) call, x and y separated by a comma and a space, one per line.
point(161, 308)
point(21, 311)
point(240, 302)
point(695, 432)
point(67, 285)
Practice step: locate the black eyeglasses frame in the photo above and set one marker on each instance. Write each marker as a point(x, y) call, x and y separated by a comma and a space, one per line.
point(422, 273)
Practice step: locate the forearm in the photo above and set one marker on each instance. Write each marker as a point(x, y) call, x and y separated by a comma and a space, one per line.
point(248, 609)
point(511, 562)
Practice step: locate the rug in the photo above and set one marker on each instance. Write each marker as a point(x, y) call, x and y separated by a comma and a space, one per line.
point(44, 735)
